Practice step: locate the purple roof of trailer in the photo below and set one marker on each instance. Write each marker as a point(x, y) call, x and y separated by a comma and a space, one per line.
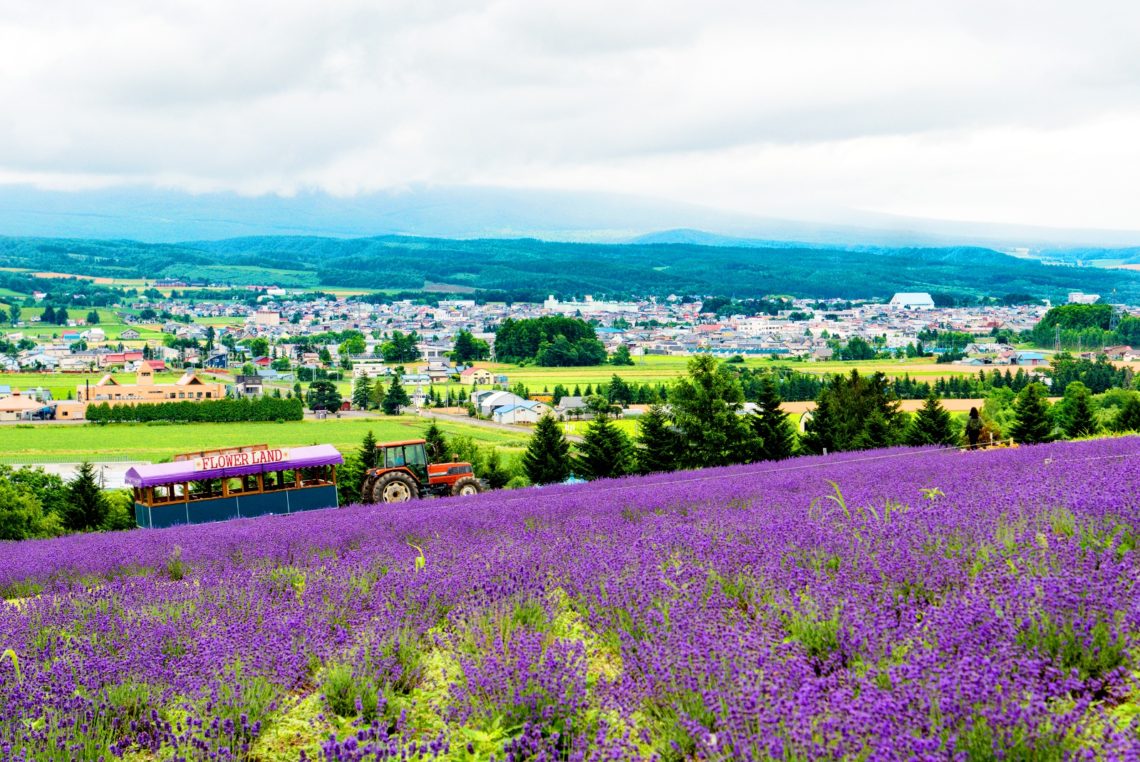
point(184, 471)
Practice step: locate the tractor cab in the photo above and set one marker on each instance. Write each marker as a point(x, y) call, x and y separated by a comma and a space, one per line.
point(409, 455)
point(402, 473)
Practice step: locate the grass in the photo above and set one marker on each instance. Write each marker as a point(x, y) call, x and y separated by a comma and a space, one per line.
point(153, 442)
point(578, 428)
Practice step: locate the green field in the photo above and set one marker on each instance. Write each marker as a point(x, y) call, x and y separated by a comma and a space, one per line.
point(654, 369)
point(109, 321)
point(155, 442)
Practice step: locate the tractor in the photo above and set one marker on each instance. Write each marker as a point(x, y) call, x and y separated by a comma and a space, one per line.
point(402, 473)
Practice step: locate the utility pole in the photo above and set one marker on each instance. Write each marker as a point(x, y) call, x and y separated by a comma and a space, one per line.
point(1057, 338)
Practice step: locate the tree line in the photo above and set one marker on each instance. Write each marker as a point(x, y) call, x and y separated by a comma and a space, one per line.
point(205, 411)
point(704, 424)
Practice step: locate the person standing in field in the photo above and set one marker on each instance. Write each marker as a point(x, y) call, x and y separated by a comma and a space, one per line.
point(974, 428)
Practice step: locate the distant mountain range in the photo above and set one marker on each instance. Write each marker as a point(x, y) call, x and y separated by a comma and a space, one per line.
point(168, 216)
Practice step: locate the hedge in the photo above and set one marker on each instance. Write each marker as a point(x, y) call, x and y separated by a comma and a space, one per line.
point(209, 411)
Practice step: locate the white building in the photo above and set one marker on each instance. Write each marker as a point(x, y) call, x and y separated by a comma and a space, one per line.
point(586, 307)
point(266, 317)
point(369, 368)
point(919, 300)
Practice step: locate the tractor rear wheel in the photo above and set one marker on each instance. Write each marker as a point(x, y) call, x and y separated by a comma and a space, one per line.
point(395, 487)
point(366, 490)
point(468, 485)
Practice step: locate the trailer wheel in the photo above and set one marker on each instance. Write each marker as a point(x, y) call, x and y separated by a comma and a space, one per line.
point(395, 487)
point(468, 485)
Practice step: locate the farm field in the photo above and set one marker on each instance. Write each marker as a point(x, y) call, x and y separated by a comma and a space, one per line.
point(657, 368)
point(154, 442)
point(654, 369)
point(879, 605)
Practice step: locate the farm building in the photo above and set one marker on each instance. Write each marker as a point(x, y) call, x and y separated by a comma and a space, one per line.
point(525, 412)
point(476, 376)
point(111, 391)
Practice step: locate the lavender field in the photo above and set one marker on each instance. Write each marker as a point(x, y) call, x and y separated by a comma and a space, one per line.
point(873, 606)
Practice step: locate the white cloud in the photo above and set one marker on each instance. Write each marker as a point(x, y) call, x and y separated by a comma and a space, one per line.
point(1012, 111)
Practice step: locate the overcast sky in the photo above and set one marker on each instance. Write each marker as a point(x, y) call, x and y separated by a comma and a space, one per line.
point(1017, 112)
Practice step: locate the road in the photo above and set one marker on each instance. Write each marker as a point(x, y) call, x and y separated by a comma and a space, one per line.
point(110, 475)
point(468, 420)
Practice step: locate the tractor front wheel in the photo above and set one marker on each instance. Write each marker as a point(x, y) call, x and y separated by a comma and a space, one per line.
point(468, 485)
point(395, 487)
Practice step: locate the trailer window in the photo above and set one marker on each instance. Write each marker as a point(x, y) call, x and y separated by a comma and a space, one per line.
point(206, 489)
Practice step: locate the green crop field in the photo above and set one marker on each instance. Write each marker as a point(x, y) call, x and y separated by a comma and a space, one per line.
point(155, 442)
point(654, 369)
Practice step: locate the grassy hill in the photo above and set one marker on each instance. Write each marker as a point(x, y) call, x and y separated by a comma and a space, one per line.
point(527, 268)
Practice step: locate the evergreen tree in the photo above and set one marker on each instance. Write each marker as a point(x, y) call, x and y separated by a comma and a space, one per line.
point(1031, 411)
point(493, 472)
point(559, 393)
point(396, 397)
point(657, 442)
point(547, 456)
point(775, 435)
point(92, 318)
point(1078, 417)
point(48, 315)
point(619, 392)
point(577, 391)
point(323, 395)
point(435, 444)
point(705, 406)
point(369, 453)
point(1128, 418)
point(361, 393)
point(377, 393)
point(854, 412)
point(86, 508)
point(931, 425)
point(605, 451)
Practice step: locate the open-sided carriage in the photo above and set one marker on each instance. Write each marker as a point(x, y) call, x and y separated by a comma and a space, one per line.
point(215, 485)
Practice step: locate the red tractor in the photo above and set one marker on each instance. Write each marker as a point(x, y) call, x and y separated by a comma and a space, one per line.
point(402, 473)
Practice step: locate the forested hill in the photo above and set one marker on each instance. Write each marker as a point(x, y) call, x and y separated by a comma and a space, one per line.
point(525, 266)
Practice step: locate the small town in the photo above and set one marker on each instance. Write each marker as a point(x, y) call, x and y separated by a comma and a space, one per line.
point(221, 338)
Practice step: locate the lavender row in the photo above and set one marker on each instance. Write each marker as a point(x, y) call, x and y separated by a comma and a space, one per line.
point(888, 605)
